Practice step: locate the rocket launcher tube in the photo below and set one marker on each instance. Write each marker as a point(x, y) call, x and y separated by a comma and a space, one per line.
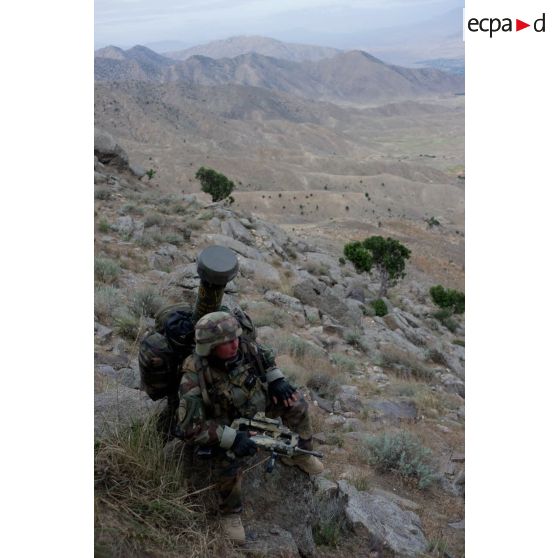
point(217, 265)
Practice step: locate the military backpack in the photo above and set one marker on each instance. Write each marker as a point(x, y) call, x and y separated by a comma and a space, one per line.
point(163, 350)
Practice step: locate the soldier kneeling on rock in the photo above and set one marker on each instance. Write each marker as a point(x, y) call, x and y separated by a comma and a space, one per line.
point(229, 376)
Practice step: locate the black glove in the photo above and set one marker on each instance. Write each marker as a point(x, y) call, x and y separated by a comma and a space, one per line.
point(242, 445)
point(281, 389)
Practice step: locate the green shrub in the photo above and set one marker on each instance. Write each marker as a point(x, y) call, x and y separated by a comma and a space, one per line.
point(215, 184)
point(403, 454)
point(459, 342)
point(380, 307)
point(342, 261)
point(103, 226)
point(448, 298)
point(106, 270)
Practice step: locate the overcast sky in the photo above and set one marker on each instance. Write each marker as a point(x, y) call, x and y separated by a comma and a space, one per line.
point(125, 23)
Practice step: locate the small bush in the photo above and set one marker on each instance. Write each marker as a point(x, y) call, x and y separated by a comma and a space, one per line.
point(324, 385)
point(354, 338)
point(444, 317)
point(146, 302)
point(106, 270)
point(266, 316)
point(103, 194)
point(342, 261)
point(153, 219)
point(103, 226)
point(403, 454)
point(380, 307)
point(459, 342)
point(173, 238)
point(331, 526)
point(107, 299)
point(448, 298)
point(127, 325)
point(344, 363)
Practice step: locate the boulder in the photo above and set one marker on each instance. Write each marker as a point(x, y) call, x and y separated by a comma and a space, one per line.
point(264, 497)
point(314, 293)
point(348, 398)
point(108, 151)
point(281, 299)
point(375, 516)
point(269, 540)
point(452, 384)
point(259, 271)
point(236, 230)
point(235, 245)
point(387, 409)
point(137, 170)
point(120, 407)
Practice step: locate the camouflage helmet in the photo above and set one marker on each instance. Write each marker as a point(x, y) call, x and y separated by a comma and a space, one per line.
point(215, 328)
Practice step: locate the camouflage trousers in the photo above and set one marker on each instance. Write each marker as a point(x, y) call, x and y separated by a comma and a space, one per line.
point(229, 471)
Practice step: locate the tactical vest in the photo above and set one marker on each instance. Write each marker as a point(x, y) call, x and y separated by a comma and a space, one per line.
point(240, 391)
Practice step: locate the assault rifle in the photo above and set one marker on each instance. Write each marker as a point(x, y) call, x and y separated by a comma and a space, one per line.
point(272, 436)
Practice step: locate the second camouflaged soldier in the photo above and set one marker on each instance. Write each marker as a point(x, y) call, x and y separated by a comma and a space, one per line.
point(227, 377)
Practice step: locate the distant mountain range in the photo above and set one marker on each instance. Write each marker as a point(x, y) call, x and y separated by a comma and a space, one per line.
point(353, 76)
point(236, 46)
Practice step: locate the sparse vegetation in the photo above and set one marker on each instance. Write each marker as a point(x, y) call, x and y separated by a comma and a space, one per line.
point(146, 302)
point(344, 363)
point(127, 324)
point(444, 316)
point(403, 454)
point(106, 270)
point(103, 226)
point(153, 219)
point(139, 505)
point(107, 299)
point(331, 524)
point(103, 194)
point(150, 174)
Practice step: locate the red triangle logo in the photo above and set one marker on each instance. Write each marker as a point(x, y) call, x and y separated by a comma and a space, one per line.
point(519, 25)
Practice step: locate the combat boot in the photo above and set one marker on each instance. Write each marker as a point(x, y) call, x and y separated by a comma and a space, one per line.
point(308, 463)
point(232, 527)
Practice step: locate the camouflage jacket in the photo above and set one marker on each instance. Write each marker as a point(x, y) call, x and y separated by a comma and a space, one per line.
point(213, 393)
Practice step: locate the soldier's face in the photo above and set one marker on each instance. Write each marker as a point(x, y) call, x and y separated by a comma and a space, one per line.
point(227, 350)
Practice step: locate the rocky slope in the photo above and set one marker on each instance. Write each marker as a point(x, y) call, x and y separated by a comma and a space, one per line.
point(394, 378)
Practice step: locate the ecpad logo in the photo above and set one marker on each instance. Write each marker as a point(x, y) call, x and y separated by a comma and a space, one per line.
point(494, 24)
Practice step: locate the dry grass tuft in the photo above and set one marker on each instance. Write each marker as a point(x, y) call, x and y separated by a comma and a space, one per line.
point(140, 508)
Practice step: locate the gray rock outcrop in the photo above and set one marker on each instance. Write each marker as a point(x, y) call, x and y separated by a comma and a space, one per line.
point(380, 518)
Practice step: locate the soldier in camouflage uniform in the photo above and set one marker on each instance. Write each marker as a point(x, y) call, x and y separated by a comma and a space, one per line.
point(227, 377)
